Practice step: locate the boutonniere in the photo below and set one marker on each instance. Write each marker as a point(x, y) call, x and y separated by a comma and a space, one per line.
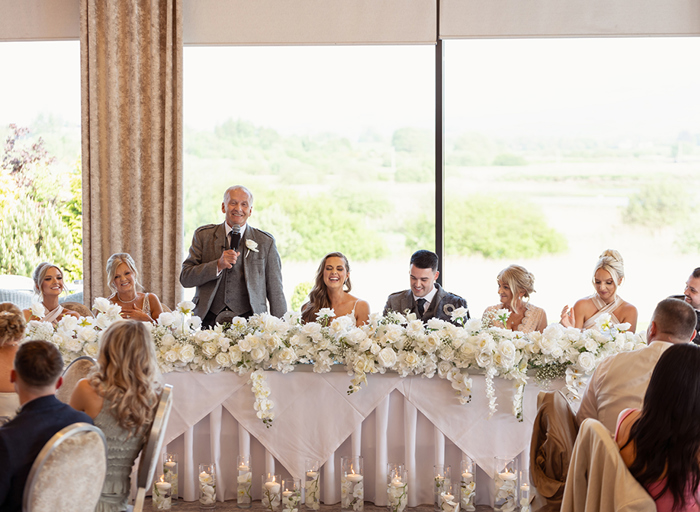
point(252, 245)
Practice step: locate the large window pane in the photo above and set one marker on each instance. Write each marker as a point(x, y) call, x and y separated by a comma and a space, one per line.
point(40, 189)
point(561, 148)
point(335, 142)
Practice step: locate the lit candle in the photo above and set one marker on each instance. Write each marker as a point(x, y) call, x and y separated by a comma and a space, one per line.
point(170, 465)
point(311, 474)
point(273, 487)
point(287, 493)
point(507, 475)
point(163, 487)
point(397, 482)
point(525, 490)
point(466, 476)
point(243, 467)
point(354, 478)
point(448, 497)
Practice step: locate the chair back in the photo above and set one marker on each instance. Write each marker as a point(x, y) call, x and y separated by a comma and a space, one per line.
point(598, 479)
point(69, 472)
point(150, 456)
point(77, 370)
point(553, 437)
point(79, 308)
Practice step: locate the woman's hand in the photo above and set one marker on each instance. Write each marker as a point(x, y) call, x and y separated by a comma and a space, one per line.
point(567, 317)
point(135, 313)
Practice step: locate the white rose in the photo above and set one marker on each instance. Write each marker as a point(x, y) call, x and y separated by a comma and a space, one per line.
point(171, 356)
point(443, 369)
point(507, 349)
point(484, 358)
point(258, 354)
point(387, 357)
point(591, 345)
point(223, 359)
point(235, 354)
point(167, 340)
point(287, 355)
point(186, 353)
point(586, 362)
point(166, 319)
point(210, 349)
point(245, 344)
point(411, 359)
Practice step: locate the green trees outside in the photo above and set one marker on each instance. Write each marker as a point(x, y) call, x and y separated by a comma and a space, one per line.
point(40, 209)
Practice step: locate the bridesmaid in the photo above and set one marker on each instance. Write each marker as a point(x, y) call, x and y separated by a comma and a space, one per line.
point(123, 281)
point(48, 285)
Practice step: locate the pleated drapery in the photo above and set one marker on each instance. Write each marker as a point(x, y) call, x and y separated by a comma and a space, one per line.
point(131, 69)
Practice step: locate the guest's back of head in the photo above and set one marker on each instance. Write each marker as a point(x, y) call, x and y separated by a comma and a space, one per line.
point(675, 320)
point(38, 364)
point(12, 323)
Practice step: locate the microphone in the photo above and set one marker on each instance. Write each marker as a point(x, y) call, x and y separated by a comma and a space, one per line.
point(235, 237)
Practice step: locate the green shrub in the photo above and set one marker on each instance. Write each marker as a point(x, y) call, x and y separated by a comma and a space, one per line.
point(300, 294)
point(658, 205)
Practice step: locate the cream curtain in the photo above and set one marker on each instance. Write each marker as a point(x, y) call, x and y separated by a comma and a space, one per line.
point(131, 66)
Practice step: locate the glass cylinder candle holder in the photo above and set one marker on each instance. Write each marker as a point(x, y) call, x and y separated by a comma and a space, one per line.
point(207, 486)
point(467, 485)
point(312, 487)
point(162, 494)
point(396, 487)
point(506, 481)
point(271, 491)
point(442, 476)
point(524, 492)
point(448, 500)
point(291, 495)
point(170, 467)
point(244, 497)
point(352, 486)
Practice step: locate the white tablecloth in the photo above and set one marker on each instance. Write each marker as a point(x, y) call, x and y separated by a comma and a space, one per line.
point(415, 420)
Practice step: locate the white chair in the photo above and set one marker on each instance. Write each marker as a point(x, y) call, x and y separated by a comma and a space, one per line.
point(77, 370)
point(69, 472)
point(150, 456)
point(598, 480)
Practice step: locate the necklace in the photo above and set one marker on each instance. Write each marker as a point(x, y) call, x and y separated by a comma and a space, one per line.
point(136, 296)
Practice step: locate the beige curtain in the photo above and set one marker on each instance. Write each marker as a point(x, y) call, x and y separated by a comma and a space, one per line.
point(131, 67)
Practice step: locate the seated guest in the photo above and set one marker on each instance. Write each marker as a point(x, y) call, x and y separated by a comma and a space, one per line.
point(660, 443)
point(121, 402)
point(515, 283)
point(691, 295)
point(123, 279)
point(48, 285)
point(607, 276)
point(621, 380)
point(11, 333)
point(331, 290)
point(36, 376)
point(426, 298)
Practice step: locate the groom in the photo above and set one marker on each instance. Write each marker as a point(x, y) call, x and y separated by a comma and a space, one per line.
point(235, 267)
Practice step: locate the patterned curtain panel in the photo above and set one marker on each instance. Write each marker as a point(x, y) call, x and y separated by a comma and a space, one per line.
point(131, 65)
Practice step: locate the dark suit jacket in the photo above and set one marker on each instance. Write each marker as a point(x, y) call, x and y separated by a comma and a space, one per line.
point(440, 307)
point(263, 269)
point(21, 440)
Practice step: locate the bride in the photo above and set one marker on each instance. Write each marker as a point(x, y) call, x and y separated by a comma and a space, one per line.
point(123, 281)
point(608, 275)
point(48, 285)
point(331, 289)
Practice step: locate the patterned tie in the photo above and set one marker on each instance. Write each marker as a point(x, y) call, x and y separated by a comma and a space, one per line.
point(421, 306)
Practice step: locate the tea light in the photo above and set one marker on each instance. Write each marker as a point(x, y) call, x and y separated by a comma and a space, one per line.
point(507, 476)
point(273, 487)
point(287, 493)
point(243, 467)
point(163, 487)
point(170, 465)
point(397, 482)
point(311, 474)
point(448, 497)
point(354, 478)
point(467, 476)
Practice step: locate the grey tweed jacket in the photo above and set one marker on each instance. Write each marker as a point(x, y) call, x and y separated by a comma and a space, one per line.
point(440, 307)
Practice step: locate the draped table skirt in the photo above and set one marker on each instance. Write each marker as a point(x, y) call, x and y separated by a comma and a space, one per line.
point(415, 420)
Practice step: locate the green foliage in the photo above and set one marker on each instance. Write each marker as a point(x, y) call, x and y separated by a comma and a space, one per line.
point(657, 205)
point(413, 140)
point(508, 159)
point(40, 215)
point(484, 225)
point(472, 149)
point(300, 295)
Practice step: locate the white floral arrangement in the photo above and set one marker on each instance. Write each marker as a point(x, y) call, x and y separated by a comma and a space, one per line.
point(393, 343)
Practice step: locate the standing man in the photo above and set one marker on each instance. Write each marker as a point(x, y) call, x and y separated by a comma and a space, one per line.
point(426, 298)
point(36, 375)
point(235, 267)
point(691, 295)
point(621, 380)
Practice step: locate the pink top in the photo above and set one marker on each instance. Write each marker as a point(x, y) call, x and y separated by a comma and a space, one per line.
point(664, 503)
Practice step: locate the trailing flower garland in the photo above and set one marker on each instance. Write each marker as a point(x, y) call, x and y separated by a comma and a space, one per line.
point(398, 343)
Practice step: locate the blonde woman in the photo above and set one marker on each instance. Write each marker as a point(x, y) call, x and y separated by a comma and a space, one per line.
point(48, 286)
point(515, 284)
point(607, 277)
point(120, 396)
point(332, 290)
point(11, 333)
point(123, 279)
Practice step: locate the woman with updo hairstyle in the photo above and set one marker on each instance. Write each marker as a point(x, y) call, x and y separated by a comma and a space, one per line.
point(607, 276)
point(123, 279)
point(515, 285)
point(120, 396)
point(660, 444)
point(12, 327)
point(331, 290)
point(48, 286)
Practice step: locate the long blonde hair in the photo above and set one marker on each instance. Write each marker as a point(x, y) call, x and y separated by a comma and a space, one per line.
point(518, 280)
point(127, 374)
point(113, 262)
point(12, 323)
point(40, 273)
